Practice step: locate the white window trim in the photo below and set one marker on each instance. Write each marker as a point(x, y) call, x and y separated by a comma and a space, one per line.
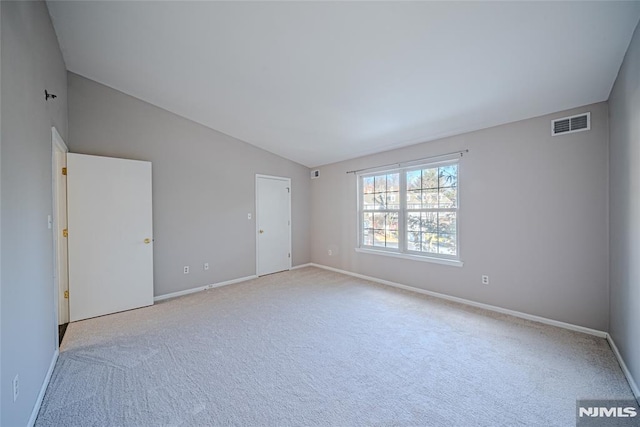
point(411, 256)
point(402, 251)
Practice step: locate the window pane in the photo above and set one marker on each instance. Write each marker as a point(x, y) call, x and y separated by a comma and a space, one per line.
point(393, 200)
point(380, 183)
point(380, 201)
point(414, 199)
point(430, 222)
point(385, 230)
point(430, 242)
point(378, 221)
point(447, 222)
point(447, 244)
point(423, 221)
point(414, 180)
point(413, 241)
point(448, 197)
point(413, 221)
point(392, 239)
point(430, 178)
point(367, 202)
point(391, 230)
point(367, 237)
point(393, 182)
point(379, 238)
point(367, 185)
point(430, 198)
point(448, 176)
point(432, 232)
point(392, 221)
point(367, 220)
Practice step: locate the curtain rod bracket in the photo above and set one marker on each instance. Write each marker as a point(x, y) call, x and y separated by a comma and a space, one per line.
point(48, 95)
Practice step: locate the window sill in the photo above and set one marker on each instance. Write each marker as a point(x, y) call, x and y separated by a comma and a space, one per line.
point(443, 261)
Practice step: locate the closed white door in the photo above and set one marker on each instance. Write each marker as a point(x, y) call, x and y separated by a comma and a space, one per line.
point(110, 235)
point(273, 212)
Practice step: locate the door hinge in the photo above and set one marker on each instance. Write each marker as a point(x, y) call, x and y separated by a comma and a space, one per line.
point(288, 190)
point(66, 294)
point(64, 171)
point(65, 233)
point(289, 254)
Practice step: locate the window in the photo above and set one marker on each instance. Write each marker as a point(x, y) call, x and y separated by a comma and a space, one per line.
point(411, 211)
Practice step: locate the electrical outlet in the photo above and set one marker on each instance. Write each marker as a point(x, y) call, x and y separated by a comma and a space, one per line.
point(485, 280)
point(16, 388)
point(186, 269)
point(206, 265)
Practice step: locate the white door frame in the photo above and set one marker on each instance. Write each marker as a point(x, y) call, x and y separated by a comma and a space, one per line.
point(281, 178)
point(61, 304)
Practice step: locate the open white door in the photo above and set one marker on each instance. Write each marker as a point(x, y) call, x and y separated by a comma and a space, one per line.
point(110, 235)
point(273, 222)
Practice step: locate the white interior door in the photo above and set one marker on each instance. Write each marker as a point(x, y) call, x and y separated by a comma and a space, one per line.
point(110, 235)
point(273, 221)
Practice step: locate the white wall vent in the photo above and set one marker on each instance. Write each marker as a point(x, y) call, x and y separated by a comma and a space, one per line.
point(315, 174)
point(572, 124)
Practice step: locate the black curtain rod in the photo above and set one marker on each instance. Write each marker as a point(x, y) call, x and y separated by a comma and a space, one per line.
point(461, 152)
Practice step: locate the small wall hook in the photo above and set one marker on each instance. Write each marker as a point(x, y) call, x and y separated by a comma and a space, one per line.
point(48, 95)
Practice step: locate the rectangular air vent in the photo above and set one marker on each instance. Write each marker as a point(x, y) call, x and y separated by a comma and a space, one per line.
point(315, 174)
point(572, 124)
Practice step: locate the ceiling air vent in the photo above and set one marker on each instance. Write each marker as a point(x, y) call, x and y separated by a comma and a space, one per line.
point(571, 124)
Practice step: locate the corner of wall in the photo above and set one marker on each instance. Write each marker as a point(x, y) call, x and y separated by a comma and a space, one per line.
point(624, 205)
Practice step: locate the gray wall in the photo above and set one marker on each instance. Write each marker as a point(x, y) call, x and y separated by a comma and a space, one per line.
point(624, 191)
point(203, 184)
point(31, 63)
point(1, 216)
point(533, 217)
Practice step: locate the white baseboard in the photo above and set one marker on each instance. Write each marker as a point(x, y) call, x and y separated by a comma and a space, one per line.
point(43, 389)
point(232, 281)
point(180, 293)
point(302, 266)
point(215, 285)
point(494, 308)
point(625, 370)
point(202, 288)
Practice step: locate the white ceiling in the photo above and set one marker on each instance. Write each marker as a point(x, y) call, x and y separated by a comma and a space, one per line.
point(323, 82)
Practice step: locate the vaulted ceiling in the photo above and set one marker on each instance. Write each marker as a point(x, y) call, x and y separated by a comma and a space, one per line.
point(319, 82)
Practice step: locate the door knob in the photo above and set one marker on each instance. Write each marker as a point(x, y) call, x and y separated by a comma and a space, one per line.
point(261, 231)
point(147, 241)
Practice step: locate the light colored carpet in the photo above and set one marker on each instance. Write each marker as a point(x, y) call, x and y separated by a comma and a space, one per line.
point(311, 347)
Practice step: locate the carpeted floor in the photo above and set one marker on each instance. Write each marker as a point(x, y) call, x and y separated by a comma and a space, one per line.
point(310, 348)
